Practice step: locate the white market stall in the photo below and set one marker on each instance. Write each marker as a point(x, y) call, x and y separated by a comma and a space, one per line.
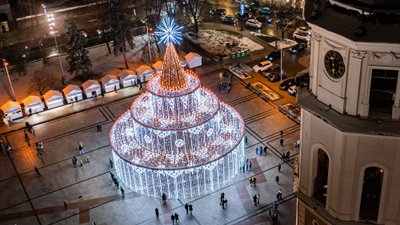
point(33, 104)
point(157, 66)
point(72, 93)
point(53, 99)
point(193, 60)
point(110, 83)
point(127, 78)
point(144, 73)
point(12, 110)
point(91, 88)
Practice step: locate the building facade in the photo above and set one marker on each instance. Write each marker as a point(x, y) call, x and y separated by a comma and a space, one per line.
point(349, 165)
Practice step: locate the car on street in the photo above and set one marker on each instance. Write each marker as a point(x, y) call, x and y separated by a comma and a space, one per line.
point(275, 76)
point(253, 23)
point(302, 33)
point(218, 12)
point(286, 84)
point(262, 66)
point(265, 11)
point(228, 19)
point(292, 90)
point(286, 107)
point(264, 19)
point(273, 55)
point(298, 48)
point(292, 111)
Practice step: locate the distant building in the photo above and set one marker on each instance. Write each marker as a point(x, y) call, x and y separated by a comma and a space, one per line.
point(349, 163)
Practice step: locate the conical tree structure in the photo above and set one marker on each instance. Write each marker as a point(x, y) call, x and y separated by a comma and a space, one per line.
point(177, 138)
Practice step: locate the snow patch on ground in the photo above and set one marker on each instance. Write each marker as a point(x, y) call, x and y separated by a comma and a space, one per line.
point(219, 42)
point(287, 43)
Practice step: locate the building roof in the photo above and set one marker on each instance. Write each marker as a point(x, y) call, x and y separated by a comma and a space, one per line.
point(192, 55)
point(10, 106)
point(108, 78)
point(90, 84)
point(50, 94)
point(125, 73)
point(31, 100)
point(157, 65)
point(382, 27)
point(71, 88)
point(142, 69)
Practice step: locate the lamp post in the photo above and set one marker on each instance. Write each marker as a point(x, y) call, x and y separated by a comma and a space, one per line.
point(5, 63)
point(53, 32)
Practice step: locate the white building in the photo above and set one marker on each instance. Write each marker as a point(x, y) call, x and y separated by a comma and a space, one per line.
point(144, 73)
point(193, 60)
point(12, 110)
point(350, 133)
point(110, 83)
point(53, 99)
point(72, 93)
point(128, 78)
point(91, 88)
point(33, 104)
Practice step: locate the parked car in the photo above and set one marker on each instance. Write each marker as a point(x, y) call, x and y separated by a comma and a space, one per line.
point(218, 12)
point(291, 110)
point(302, 33)
point(272, 69)
point(253, 23)
point(273, 55)
point(262, 66)
point(228, 19)
point(286, 107)
point(292, 90)
point(302, 78)
point(276, 76)
point(297, 48)
point(264, 19)
point(286, 84)
point(265, 11)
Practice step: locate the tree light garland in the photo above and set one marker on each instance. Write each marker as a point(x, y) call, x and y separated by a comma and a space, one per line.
point(177, 138)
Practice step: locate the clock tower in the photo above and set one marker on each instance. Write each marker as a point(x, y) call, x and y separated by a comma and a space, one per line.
point(349, 163)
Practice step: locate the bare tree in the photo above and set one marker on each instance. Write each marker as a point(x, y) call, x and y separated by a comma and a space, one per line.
point(195, 9)
point(42, 81)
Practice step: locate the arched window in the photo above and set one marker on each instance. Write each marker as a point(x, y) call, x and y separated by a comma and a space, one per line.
point(321, 180)
point(371, 194)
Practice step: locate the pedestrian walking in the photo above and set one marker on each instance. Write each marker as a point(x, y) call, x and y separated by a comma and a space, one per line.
point(87, 159)
point(281, 133)
point(279, 195)
point(99, 128)
point(275, 207)
point(245, 140)
point(287, 155)
point(157, 213)
point(164, 198)
point(190, 208)
point(65, 205)
point(173, 219)
point(281, 141)
point(8, 148)
point(250, 165)
point(255, 200)
point(277, 179)
point(27, 138)
point(251, 181)
point(187, 208)
point(265, 150)
point(74, 161)
point(225, 204)
point(111, 163)
point(258, 198)
point(279, 167)
point(254, 181)
point(122, 192)
point(81, 163)
point(81, 151)
point(176, 218)
point(1, 146)
point(37, 172)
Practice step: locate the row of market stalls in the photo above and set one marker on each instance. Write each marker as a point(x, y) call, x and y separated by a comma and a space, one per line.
point(90, 88)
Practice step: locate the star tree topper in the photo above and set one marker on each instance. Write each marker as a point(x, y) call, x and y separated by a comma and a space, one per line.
point(169, 31)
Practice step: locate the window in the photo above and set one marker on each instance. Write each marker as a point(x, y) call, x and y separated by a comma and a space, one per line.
point(321, 180)
point(371, 194)
point(382, 92)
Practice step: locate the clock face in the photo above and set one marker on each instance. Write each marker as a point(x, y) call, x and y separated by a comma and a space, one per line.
point(334, 64)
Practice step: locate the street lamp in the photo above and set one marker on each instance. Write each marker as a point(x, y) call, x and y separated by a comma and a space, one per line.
point(5, 63)
point(50, 19)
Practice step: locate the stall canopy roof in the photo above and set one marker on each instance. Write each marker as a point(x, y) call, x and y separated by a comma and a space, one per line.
point(71, 88)
point(52, 94)
point(90, 84)
point(10, 106)
point(157, 65)
point(126, 73)
point(107, 78)
point(191, 55)
point(143, 69)
point(31, 100)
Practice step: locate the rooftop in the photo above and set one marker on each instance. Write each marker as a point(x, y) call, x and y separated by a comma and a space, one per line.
point(379, 24)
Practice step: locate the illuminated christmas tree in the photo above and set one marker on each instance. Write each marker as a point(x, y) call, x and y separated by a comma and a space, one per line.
point(177, 138)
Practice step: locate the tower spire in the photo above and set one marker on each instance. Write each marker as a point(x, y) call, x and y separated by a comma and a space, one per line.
point(172, 77)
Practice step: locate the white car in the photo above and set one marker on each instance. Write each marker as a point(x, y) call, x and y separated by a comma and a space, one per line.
point(253, 23)
point(262, 66)
point(302, 33)
point(292, 90)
